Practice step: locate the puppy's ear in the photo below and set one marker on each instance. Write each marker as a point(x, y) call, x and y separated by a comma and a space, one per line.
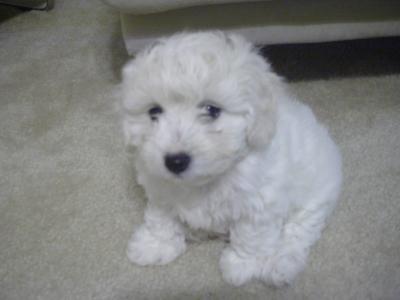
point(128, 70)
point(130, 135)
point(262, 114)
point(130, 121)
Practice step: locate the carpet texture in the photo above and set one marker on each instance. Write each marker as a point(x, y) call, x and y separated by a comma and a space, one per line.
point(68, 198)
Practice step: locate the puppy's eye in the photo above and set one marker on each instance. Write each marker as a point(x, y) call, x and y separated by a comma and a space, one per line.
point(154, 112)
point(212, 111)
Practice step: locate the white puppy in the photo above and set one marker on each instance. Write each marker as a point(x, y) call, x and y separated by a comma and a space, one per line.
point(220, 145)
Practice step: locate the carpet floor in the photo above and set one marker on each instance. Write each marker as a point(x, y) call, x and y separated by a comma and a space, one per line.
point(68, 198)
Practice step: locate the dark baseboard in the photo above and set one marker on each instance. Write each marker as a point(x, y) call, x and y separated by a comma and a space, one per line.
point(364, 57)
point(30, 4)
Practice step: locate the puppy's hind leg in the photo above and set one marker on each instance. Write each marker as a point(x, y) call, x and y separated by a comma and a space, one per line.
point(300, 232)
point(252, 242)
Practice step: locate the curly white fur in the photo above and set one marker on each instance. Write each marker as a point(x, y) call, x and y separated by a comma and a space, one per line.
point(265, 171)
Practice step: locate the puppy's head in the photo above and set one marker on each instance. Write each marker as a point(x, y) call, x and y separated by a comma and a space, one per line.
point(196, 104)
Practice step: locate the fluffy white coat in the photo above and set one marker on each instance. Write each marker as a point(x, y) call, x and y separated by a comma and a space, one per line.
point(265, 171)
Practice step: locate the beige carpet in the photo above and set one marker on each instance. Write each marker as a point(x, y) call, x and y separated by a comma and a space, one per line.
point(68, 201)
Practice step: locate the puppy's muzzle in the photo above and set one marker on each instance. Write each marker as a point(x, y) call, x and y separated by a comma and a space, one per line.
point(177, 163)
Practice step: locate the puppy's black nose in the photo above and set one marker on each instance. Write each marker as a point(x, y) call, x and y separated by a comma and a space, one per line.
point(177, 163)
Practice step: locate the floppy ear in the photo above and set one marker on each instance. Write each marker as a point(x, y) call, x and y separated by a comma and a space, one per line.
point(133, 133)
point(131, 121)
point(262, 114)
point(130, 137)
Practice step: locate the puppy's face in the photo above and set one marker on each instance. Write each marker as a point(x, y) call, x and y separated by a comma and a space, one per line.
point(193, 106)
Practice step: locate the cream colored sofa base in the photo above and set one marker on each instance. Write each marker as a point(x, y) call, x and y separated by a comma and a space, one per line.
point(271, 22)
point(268, 35)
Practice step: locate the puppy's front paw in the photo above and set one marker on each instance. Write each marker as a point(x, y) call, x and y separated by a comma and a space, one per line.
point(237, 270)
point(284, 268)
point(147, 249)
